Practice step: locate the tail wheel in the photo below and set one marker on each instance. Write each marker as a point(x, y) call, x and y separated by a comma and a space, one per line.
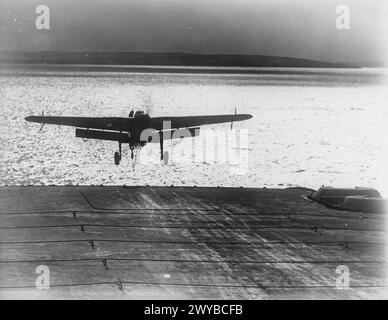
point(117, 158)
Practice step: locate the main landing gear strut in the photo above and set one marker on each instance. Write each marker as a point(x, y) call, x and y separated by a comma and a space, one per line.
point(161, 144)
point(117, 156)
point(132, 147)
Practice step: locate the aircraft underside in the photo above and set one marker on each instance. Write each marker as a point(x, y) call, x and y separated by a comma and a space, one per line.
point(138, 129)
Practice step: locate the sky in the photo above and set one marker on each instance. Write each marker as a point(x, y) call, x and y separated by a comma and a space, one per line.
point(294, 28)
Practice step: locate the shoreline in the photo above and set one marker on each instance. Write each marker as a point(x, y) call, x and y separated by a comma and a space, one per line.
point(105, 68)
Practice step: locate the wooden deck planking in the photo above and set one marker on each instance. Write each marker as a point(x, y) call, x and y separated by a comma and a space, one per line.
point(169, 242)
point(189, 252)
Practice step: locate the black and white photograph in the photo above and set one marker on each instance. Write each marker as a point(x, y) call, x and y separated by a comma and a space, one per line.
point(193, 150)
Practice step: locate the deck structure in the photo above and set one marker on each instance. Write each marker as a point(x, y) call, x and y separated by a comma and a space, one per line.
point(186, 243)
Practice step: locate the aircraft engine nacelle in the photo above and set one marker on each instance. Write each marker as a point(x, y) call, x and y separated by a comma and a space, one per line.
point(141, 121)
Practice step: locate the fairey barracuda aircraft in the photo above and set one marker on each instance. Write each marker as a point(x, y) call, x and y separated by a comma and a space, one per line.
point(138, 128)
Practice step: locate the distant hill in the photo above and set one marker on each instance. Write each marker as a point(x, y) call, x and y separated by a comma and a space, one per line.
point(369, 64)
point(163, 59)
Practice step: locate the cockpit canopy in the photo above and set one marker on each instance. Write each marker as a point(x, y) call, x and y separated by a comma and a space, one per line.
point(137, 114)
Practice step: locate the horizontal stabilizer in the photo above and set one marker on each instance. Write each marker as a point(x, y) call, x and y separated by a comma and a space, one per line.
point(102, 135)
point(178, 134)
point(124, 137)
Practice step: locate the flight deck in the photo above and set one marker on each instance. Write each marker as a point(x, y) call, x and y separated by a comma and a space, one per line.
point(101, 242)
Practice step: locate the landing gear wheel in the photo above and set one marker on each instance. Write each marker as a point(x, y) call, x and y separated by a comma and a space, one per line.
point(165, 158)
point(117, 158)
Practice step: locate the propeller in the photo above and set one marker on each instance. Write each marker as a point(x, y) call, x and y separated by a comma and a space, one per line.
point(43, 123)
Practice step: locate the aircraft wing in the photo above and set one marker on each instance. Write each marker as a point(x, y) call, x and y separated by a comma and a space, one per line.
point(195, 121)
point(117, 124)
point(123, 124)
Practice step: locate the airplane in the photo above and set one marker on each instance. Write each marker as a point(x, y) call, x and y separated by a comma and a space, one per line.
point(131, 129)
